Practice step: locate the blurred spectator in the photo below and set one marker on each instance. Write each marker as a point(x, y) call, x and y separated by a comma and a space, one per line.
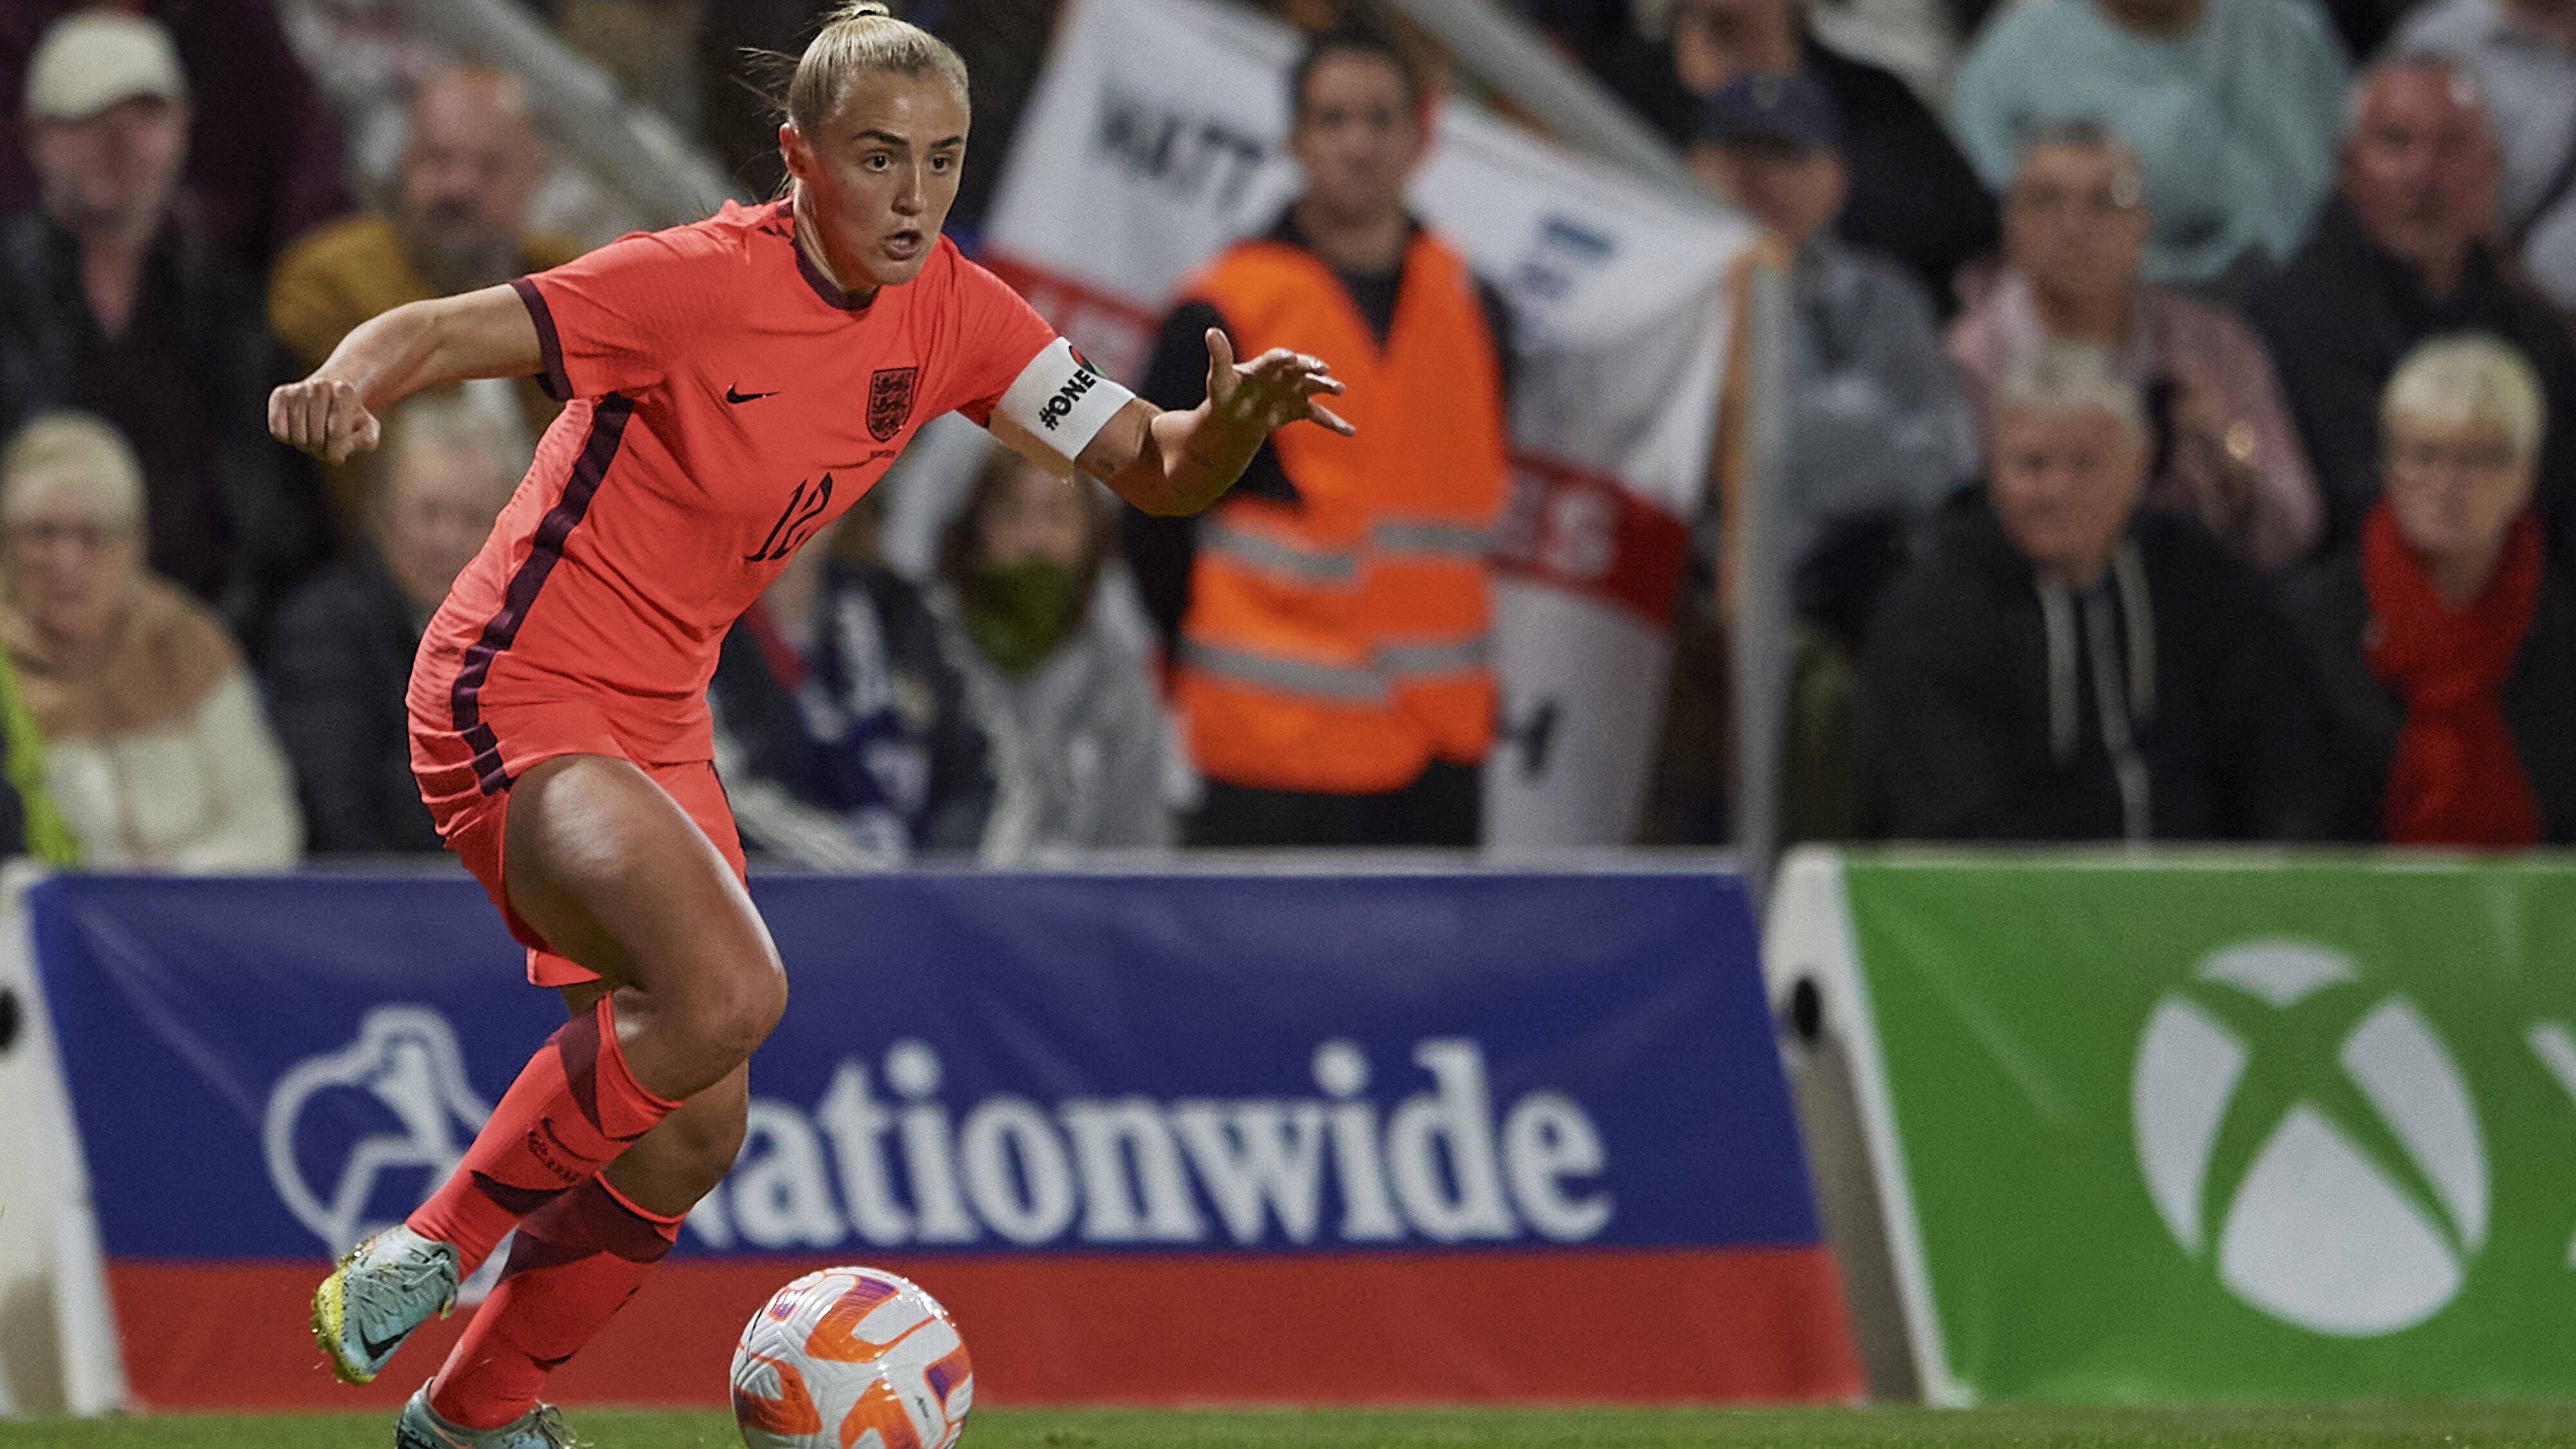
point(841, 725)
point(2399, 256)
point(2074, 226)
point(155, 748)
point(1329, 617)
point(2523, 53)
point(2447, 649)
point(30, 822)
point(111, 302)
point(1077, 736)
point(469, 167)
point(1625, 40)
point(2061, 666)
point(1877, 436)
point(2232, 105)
point(1912, 195)
point(263, 151)
point(340, 659)
point(1876, 419)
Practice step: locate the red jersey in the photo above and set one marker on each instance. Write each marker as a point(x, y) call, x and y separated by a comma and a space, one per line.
point(726, 402)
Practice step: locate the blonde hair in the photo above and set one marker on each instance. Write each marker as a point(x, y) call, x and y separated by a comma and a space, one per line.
point(72, 455)
point(2066, 376)
point(2467, 379)
point(863, 38)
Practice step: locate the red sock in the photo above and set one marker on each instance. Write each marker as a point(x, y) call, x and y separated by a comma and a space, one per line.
point(574, 1264)
point(574, 1107)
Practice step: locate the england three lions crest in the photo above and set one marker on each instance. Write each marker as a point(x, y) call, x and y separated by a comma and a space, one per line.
point(890, 401)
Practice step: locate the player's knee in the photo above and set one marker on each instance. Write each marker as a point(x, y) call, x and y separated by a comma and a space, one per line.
point(744, 1009)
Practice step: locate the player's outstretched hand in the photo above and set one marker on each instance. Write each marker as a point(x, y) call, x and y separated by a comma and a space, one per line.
point(1271, 391)
point(323, 417)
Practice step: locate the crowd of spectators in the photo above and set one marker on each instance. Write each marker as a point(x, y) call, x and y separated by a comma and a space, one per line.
point(2180, 443)
point(2267, 366)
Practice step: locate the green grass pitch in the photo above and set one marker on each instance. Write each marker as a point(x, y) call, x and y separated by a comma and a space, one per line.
point(2359, 1426)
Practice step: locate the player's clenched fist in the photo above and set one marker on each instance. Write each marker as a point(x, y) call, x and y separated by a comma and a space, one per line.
point(323, 417)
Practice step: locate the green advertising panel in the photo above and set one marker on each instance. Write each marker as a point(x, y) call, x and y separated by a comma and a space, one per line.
point(2209, 1128)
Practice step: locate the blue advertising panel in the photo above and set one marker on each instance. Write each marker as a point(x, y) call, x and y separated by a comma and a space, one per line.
point(1033, 1066)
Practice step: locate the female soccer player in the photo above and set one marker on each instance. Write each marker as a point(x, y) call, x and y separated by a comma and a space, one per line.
point(733, 385)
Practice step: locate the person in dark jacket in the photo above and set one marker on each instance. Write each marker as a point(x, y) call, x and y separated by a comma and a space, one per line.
point(113, 302)
point(340, 659)
point(2400, 255)
point(842, 730)
point(2447, 648)
point(2062, 666)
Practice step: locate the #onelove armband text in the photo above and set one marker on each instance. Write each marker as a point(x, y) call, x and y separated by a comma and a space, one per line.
point(1061, 401)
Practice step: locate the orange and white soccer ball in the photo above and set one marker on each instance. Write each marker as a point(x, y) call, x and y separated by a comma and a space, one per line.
point(851, 1358)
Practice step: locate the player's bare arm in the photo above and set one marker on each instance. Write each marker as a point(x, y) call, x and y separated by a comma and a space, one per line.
point(1183, 461)
point(333, 413)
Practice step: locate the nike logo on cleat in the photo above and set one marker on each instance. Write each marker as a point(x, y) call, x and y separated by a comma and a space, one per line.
point(734, 395)
point(375, 1350)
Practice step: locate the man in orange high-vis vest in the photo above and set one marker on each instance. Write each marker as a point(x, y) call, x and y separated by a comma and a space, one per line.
point(1328, 624)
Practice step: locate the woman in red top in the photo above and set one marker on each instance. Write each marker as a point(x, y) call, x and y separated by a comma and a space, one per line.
point(732, 386)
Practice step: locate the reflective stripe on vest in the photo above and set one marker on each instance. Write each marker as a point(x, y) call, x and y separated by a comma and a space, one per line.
point(1396, 666)
point(1323, 567)
point(1445, 540)
point(1401, 663)
point(1339, 643)
point(1296, 676)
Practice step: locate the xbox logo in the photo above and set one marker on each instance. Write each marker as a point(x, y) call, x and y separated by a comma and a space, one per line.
point(2315, 1138)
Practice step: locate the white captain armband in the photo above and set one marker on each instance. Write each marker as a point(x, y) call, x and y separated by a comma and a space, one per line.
point(1060, 402)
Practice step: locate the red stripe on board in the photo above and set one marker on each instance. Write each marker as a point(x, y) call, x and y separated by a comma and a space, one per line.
point(1691, 1324)
point(1582, 530)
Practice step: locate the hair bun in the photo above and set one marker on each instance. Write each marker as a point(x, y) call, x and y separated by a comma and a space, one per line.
point(861, 10)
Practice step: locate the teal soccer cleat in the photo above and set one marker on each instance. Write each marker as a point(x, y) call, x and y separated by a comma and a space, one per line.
point(421, 1428)
point(387, 1286)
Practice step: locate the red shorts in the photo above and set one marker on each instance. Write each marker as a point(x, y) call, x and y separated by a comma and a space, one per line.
point(473, 820)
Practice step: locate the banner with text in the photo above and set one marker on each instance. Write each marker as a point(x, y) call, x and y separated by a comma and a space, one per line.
point(1157, 136)
point(1151, 1137)
point(2224, 1127)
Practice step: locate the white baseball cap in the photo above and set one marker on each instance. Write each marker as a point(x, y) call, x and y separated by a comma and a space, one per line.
point(90, 59)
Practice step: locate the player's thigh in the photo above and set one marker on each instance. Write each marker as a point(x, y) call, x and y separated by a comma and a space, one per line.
point(615, 875)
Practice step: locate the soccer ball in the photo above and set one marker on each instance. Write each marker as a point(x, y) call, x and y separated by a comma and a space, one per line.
point(851, 1358)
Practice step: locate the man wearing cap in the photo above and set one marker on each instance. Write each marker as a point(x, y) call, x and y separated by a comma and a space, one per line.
point(1877, 422)
point(264, 156)
point(111, 303)
point(1878, 432)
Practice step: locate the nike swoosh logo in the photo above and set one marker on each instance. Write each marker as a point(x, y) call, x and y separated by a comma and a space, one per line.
point(733, 396)
point(379, 1350)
